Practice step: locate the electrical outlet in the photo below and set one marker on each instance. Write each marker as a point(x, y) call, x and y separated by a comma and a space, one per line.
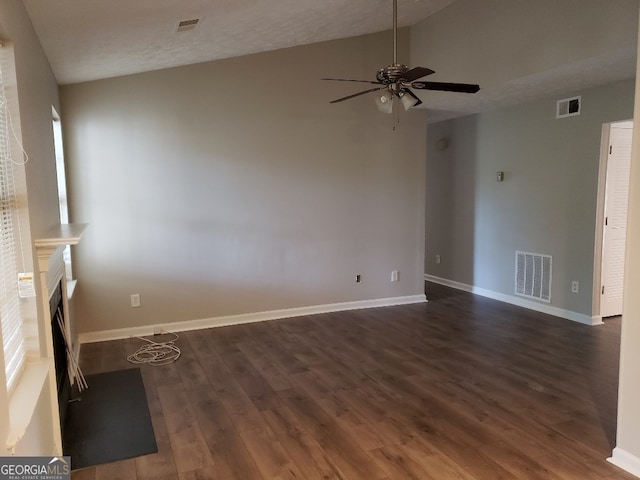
point(395, 276)
point(135, 300)
point(575, 286)
point(438, 258)
point(157, 330)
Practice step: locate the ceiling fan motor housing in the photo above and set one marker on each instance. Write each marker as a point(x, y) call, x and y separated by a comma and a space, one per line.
point(391, 74)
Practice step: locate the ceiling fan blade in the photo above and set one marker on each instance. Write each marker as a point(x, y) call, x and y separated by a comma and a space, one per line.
point(446, 87)
point(348, 80)
point(416, 73)
point(357, 94)
point(414, 96)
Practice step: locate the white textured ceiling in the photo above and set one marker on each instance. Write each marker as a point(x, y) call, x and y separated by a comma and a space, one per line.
point(93, 39)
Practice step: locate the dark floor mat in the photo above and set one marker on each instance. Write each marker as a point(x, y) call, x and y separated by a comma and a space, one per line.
point(111, 422)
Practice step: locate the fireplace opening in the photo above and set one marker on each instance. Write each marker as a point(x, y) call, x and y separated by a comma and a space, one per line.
point(56, 307)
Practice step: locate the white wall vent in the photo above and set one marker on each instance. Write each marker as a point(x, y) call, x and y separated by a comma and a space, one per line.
point(569, 107)
point(533, 276)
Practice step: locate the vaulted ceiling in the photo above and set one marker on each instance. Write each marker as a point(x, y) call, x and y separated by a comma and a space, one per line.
point(92, 39)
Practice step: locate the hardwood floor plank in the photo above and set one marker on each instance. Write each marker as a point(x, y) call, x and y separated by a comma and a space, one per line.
point(300, 445)
point(449, 418)
point(349, 459)
point(395, 461)
point(84, 474)
point(189, 368)
point(312, 383)
point(435, 462)
point(229, 454)
point(160, 464)
point(166, 375)
point(203, 474)
point(347, 418)
point(265, 450)
point(281, 351)
point(454, 443)
point(255, 387)
point(275, 376)
point(529, 431)
point(122, 470)
point(376, 410)
point(190, 451)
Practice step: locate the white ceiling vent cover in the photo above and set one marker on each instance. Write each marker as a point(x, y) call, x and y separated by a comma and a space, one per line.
point(569, 107)
point(186, 25)
point(533, 276)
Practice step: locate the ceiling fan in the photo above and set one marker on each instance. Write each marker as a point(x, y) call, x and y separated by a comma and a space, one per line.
point(397, 80)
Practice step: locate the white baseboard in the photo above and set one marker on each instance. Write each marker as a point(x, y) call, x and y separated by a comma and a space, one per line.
point(448, 283)
point(116, 334)
point(521, 302)
point(626, 461)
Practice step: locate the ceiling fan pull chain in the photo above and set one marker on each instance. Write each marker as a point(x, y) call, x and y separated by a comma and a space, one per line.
point(396, 111)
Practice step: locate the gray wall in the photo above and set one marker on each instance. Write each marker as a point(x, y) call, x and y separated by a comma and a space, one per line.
point(37, 91)
point(235, 187)
point(546, 204)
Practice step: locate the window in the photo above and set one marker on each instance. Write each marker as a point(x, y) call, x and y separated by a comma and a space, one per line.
point(12, 335)
point(62, 188)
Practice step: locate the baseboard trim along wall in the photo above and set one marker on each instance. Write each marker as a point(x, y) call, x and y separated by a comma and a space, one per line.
point(626, 461)
point(104, 335)
point(520, 302)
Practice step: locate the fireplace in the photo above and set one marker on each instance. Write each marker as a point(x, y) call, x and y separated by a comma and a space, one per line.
point(53, 286)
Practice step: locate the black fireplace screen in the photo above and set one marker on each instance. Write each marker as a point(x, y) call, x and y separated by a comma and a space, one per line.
point(56, 307)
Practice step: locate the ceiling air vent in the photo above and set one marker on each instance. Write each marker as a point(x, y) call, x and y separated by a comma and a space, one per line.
point(569, 107)
point(186, 25)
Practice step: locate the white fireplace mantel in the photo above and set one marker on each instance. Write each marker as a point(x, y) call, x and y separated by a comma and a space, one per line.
point(60, 236)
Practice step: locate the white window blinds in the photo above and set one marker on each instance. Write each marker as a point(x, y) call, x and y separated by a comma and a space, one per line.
point(12, 337)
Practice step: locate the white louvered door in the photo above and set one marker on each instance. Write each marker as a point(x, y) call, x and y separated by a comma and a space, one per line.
point(615, 229)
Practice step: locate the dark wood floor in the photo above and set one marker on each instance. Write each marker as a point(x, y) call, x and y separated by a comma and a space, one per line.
point(460, 388)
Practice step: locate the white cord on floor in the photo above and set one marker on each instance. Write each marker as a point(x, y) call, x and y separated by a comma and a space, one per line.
point(156, 353)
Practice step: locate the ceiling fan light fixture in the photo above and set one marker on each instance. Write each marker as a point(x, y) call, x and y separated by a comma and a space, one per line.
point(384, 101)
point(408, 101)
